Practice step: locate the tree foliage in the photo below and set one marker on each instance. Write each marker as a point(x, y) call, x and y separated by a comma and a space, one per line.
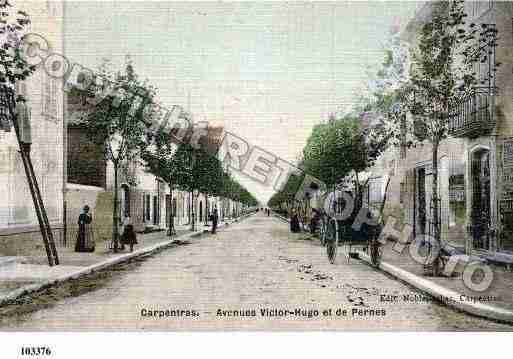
point(14, 66)
point(193, 168)
point(13, 25)
point(116, 117)
point(334, 149)
point(288, 193)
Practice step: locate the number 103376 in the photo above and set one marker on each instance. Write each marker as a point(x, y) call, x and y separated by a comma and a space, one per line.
point(36, 351)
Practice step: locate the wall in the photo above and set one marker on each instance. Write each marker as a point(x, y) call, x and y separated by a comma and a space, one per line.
point(100, 203)
point(45, 100)
point(86, 162)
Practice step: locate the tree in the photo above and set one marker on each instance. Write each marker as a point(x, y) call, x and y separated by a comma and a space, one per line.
point(382, 87)
point(379, 103)
point(441, 74)
point(158, 160)
point(197, 171)
point(287, 195)
point(334, 149)
point(116, 120)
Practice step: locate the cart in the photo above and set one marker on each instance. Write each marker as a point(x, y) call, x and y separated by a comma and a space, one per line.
point(340, 232)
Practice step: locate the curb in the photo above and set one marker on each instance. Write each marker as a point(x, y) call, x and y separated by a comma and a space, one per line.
point(439, 292)
point(102, 265)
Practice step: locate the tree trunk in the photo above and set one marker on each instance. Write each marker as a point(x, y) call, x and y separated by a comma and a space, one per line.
point(436, 219)
point(171, 223)
point(193, 214)
point(115, 221)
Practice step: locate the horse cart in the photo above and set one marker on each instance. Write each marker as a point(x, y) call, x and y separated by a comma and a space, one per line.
point(338, 225)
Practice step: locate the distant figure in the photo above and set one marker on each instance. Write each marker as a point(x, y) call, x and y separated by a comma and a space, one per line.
point(294, 222)
point(268, 212)
point(124, 223)
point(214, 217)
point(85, 238)
point(314, 222)
point(128, 237)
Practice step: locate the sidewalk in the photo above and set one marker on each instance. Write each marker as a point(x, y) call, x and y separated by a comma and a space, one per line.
point(494, 303)
point(22, 275)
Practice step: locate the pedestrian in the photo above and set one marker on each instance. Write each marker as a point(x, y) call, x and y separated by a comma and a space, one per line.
point(85, 238)
point(268, 212)
point(128, 237)
point(214, 217)
point(315, 220)
point(294, 222)
point(125, 222)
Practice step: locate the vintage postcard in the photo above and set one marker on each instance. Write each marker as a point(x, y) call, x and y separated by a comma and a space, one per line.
point(255, 166)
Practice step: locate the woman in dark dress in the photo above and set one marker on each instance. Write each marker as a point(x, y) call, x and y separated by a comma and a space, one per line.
point(294, 222)
point(85, 239)
point(128, 237)
point(214, 217)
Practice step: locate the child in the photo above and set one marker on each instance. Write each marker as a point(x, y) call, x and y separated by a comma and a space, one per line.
point(128, 237)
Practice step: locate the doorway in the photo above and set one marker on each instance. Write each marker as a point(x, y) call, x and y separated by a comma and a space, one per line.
point(421, 218)
point(125, 201)
point(481, 214)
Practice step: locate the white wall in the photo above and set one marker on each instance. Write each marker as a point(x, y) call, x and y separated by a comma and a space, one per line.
point(45, 100)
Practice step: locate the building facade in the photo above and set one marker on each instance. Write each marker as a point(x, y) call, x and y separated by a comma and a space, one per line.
point(19, 229)
point(475, 163)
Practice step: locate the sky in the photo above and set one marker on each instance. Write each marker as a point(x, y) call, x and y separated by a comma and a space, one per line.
point(267, 72)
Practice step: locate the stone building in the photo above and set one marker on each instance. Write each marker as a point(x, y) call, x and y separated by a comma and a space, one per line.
point(144, 198)
point(475, 162)
point(19, 229)
point(141, 196)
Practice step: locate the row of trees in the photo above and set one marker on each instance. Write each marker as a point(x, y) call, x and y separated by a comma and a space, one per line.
point(193, 169)
point(119, 121)
point(335, 150)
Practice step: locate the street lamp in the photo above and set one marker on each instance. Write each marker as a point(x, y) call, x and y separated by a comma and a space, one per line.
point(115, 147)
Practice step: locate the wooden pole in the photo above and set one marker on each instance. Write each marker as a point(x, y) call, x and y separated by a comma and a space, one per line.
point(9, 102)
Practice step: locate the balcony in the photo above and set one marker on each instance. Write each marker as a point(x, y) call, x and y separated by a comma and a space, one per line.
point(471, 117)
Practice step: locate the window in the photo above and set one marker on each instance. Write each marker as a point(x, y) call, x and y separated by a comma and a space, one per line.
point(155, 210)
point(49, 100)
point(147, 208)
point(143, 207)
point(126, 200)
point(375, 191)
point(457, 200)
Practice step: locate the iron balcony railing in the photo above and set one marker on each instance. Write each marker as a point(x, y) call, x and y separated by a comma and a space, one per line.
point(472, 116)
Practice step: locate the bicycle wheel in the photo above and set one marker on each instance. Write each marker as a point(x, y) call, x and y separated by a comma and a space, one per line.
point(331, 240)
